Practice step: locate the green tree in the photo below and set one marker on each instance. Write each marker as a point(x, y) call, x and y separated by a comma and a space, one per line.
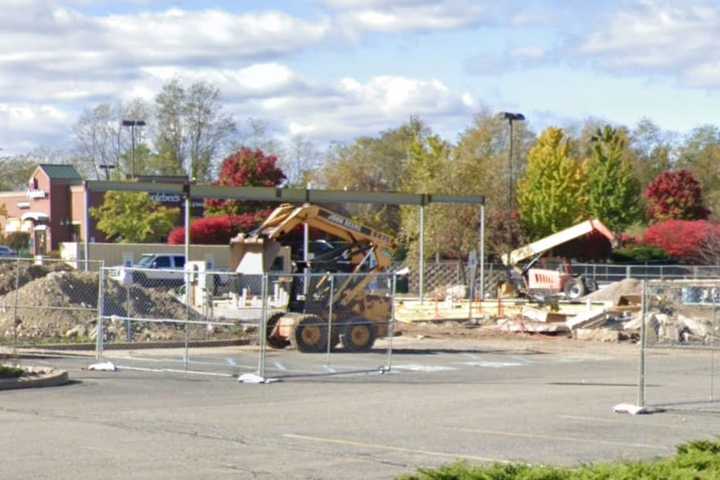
point(551, 195)
point(133, 217)
point(482, 156)
point(700, 154)
point(653, 150)
point(192, 128)
point(613, 192)
point(375, 164)
point(427, 168)
point(15, 172)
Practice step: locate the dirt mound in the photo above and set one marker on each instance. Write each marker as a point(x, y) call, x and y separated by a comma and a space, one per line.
point(64, 304)
point(614, 291)
point(28, 273)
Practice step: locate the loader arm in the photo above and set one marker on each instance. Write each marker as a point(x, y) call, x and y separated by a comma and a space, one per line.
point(539, 247)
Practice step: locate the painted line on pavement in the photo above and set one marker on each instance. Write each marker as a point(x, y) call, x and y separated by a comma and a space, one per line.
point(561, 439)
point(352, 443)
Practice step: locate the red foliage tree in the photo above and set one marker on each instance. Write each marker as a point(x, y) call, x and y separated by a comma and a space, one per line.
point(218, 230)
point(245, 168)
point(681, 239)
point(675, 195)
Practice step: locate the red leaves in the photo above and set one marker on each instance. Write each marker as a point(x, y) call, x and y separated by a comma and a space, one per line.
point(218, 230)
point(246, 167)
point(675, 195)
point(681, 239)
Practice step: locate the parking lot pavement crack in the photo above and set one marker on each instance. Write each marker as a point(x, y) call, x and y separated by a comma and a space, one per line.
point(153, 429)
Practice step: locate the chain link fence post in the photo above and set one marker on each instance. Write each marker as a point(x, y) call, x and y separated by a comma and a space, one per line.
point(713, 330)
point(262, 330)
point(16, 320)
point(391, 327)
point(99, 333)
point(643, 337)
point(330, 318)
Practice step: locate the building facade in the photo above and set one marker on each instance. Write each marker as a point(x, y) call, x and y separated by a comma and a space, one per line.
point(53, 208)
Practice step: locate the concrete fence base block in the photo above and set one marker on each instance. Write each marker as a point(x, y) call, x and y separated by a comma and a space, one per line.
point(103, 367)
point(631, 409)
point(255, 379)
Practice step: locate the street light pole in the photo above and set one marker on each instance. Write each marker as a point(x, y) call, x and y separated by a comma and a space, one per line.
point(132, 124)
point(511, 117)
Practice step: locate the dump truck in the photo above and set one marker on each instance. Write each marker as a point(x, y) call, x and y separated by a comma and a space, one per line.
point(360, 314)
point(539, 283)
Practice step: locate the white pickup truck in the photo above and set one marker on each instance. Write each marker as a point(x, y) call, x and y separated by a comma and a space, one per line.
point(153, 270)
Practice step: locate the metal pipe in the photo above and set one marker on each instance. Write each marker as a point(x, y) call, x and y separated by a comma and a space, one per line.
point(86, 239)
point(99, 341)
point(643, 316)
point(482, 252)
point(391, 327)
point(263, 326)
point(330, 318)
point(421, 260)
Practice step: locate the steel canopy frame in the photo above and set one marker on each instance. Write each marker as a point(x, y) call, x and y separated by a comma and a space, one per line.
point(284, 195)
point(298, 195)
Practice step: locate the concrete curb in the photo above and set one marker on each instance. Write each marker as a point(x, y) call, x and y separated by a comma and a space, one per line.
point(55, 379)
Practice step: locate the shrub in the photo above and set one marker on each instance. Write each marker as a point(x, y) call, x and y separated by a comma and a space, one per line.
point(10, 372)
point(695, 460)
point(675, 195)
point(218, 230)
point(17, 240)
point(681, 239)
point(640, 254)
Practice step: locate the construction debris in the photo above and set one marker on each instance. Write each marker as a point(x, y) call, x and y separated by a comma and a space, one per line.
point(535, 314)
point(593, 318)
point(618, 292)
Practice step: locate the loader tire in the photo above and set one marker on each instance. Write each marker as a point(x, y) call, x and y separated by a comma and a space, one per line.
point(575, 288)
point(272, 340)
point(310, 335)
point(358, 335)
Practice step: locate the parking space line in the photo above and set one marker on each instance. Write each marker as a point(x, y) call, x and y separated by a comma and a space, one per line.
point(172, 370)
point(352, 443)
point(624, 422)
point(560, 438)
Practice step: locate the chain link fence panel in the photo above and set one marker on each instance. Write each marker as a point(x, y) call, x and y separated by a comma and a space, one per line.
point(679, 345)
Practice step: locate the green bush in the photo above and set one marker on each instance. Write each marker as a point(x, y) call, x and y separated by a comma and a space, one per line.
point(640, 254)
point(694, 461)
point(10, 372)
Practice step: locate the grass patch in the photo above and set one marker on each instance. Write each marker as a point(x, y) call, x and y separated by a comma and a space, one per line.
point(698, 460)
point(10, 372)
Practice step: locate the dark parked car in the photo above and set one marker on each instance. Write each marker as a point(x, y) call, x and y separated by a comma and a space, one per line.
point(7, 251)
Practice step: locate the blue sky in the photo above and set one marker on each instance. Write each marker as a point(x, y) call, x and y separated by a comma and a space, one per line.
point(331, 70)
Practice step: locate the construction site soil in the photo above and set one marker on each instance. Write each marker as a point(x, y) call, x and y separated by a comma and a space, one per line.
point(58, 303)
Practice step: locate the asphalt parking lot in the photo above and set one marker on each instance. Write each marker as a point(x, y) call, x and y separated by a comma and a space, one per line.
point(496, 401)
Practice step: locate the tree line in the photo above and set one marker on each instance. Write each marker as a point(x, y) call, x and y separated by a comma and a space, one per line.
point(592, 169)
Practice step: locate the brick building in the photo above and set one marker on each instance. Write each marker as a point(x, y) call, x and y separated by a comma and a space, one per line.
point(52, 208)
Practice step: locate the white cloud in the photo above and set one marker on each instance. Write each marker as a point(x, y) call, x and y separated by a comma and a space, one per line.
point(660, 37)
point(417, 15)
point(352, 107)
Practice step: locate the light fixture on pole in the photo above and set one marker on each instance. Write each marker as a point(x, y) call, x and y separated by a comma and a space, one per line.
point(133, 124)
point(511, 117)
